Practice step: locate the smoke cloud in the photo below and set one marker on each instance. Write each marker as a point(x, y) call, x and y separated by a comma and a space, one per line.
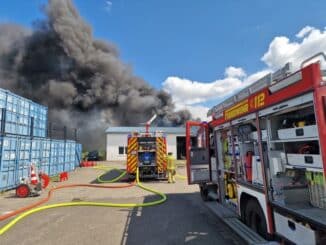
point(82, 80)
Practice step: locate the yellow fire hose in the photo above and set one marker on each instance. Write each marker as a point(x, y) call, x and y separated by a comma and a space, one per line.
point(181, 176)
point(99, 178)
point(99, 204)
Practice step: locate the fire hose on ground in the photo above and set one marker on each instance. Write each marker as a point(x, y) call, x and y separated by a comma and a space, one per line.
point(179, 176)
point(44, 200)
point(30, 211)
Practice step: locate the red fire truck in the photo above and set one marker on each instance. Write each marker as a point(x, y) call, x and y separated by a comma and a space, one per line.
point(262, 157)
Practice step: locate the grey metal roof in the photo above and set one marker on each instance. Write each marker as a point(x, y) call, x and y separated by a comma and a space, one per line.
point(167, 130)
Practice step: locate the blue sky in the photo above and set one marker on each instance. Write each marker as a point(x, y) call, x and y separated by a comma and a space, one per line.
point(196, 40)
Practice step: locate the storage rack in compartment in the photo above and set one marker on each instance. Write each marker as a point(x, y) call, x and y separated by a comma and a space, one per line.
point(295, 162)
point(250, 164)
point(230, 146)
point(296, 134)
point(232, 153)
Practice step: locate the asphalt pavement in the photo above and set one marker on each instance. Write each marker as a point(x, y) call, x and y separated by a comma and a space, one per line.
point(182, 219)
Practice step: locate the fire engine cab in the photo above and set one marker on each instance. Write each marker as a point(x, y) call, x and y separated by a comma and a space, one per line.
point(263, 154)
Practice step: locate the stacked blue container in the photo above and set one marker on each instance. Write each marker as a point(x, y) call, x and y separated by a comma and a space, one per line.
point(61, 156)
point(70, 148)
point(23, 124)
point(39, 115)
point(8, 151)
point(78, 153)
point(54, 144)
point(36, 152)
point(23, 157)
point(3, 104)
point(45, 156)
point(17, 116)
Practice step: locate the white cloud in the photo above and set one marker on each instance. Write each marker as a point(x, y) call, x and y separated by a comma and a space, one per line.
point(108, 5)
point(281, 50)
point(304, 31)
point(232, 71)
point(255, 77)
point(187, 93)
point(192, 94)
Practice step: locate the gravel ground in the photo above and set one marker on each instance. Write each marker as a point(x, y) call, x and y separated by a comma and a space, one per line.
point(181, 220)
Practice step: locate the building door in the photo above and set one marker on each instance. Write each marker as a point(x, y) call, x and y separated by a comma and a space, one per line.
point(181, 147)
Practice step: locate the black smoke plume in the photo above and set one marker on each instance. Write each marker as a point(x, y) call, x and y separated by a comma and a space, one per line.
point(82, 80)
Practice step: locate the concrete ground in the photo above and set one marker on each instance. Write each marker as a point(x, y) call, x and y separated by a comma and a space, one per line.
point(182, 219)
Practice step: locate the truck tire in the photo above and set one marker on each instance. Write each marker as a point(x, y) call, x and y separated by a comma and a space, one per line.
point(204, 193)
point(255, 218)
point(131, 177)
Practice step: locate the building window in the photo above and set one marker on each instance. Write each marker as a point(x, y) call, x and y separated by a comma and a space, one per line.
point(126, 150)
point(121, 148)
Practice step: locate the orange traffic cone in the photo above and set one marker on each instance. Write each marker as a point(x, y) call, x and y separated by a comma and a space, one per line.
point(34, 179)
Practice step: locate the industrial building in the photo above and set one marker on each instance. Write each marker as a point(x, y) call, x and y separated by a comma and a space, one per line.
point(116, 141)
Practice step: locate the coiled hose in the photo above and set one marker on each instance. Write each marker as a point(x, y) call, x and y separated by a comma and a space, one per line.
point(6, 227)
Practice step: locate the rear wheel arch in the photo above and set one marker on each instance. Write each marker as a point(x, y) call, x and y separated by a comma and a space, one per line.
point(244, 198)
point(252, 214)
point(205, 189)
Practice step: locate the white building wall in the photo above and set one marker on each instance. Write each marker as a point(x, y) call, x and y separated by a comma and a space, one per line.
point(114, 140)
point(172, 143)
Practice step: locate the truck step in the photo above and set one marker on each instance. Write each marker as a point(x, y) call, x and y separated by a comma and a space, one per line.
point(231, 219)
point(220, 211)
point(244, 232)
point(212, 196)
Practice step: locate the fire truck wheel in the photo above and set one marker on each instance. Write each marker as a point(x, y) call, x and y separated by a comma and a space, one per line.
point(204, 193)
point(131, 177)
point(255, 218)
point(23, 191)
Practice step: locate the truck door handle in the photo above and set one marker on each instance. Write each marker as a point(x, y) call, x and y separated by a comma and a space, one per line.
point(283, 106)
point(280, 107)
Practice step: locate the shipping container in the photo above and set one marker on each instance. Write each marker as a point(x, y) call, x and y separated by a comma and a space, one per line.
point(16, 117)
point(23, 157)
point(70, 148)
point(22, 116)
point(54, 146)
point(78, 153)
point(61, 155)
point(3, 103)
point(36, 152)
point(57, 157)
point(40, 154)
point(39, 118)
point(61, 152)
point(23, 124)
point(3, 98)
point(45, 156)
point(8, 162)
